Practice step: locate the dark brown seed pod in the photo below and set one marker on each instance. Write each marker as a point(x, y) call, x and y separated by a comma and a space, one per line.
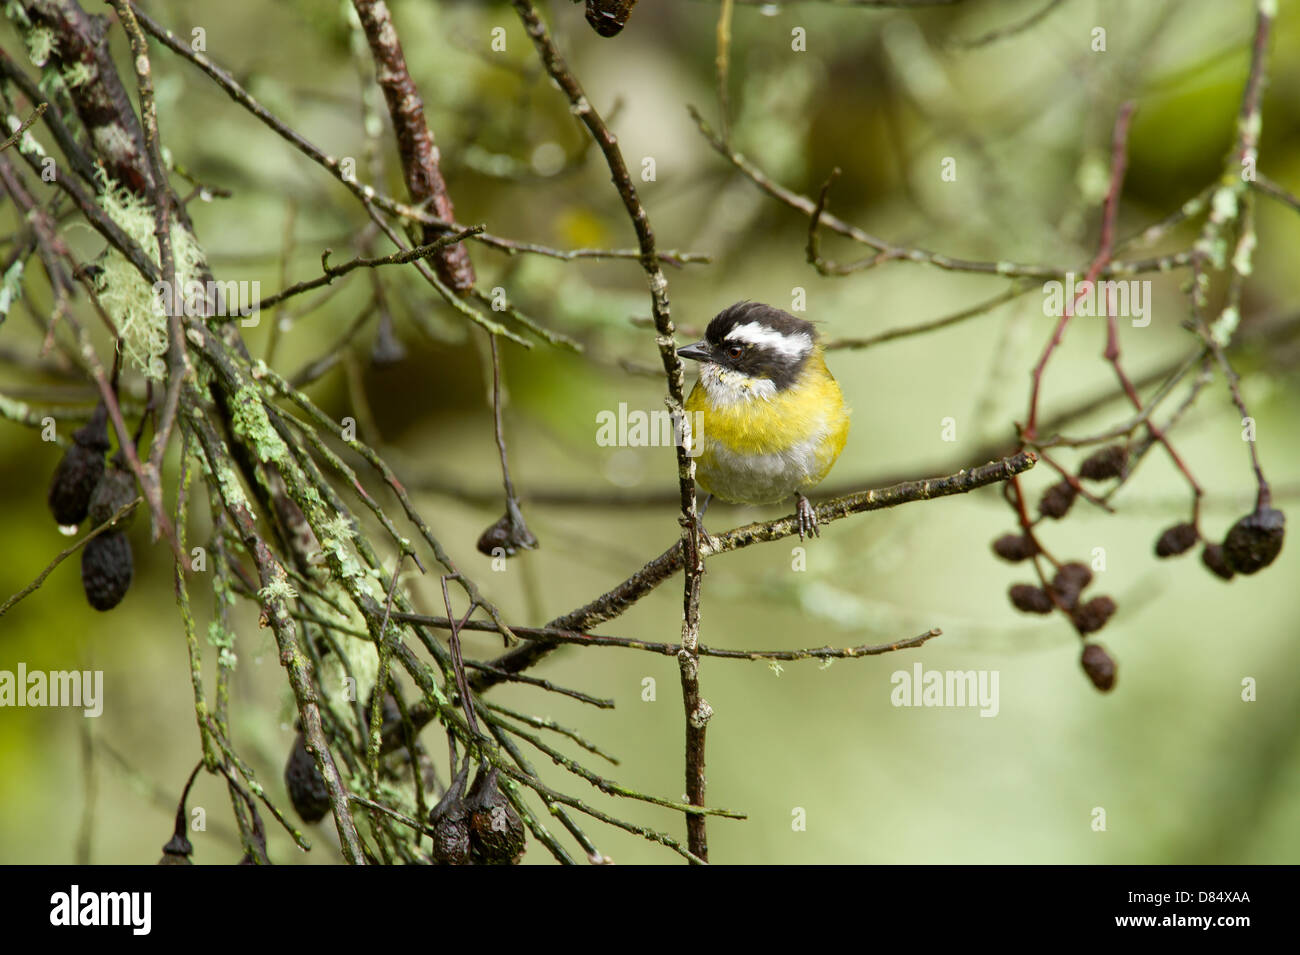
point(496, 833)
point(80, 469)
point(106, 569)
point(510, 534)
point(1099, 666)
point(115, 490)
point(1056, 500)
point(608, 17)
point(1178, 539)
point(450, 822)
point(1104, 464)
point(1070, 581)
point(1255, 541)
point(1092, 616)
point(1029, 598)
point(177, 851)
point(1213, 558)
point(1015, 547)
point(306, 785)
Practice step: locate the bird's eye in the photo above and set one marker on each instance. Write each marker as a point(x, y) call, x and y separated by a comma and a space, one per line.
point(734, 351)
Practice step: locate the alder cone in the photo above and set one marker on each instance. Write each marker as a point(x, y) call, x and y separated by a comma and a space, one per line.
point(177, 851)
point(106, 569)
point(1014, 547)
point(1092, 616)
point(1104, 464)
point(1099, 666)
point(1255, 541)
point(1030, 599)
point(608, 17)
point(115, 490)
point(1178, 539)
point(1070, 581)
point(79, 471)
point(1056, 500)
point(1213, 558)
point(496, 833)
point(450, 821)
point(307, 791)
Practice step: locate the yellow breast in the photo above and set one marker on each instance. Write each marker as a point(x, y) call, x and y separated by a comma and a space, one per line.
point(760, 446)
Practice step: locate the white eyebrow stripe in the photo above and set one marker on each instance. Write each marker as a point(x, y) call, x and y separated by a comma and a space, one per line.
point(791, 346)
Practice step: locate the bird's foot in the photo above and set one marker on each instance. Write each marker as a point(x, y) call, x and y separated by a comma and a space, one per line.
point(807, 518)
point(707, 541)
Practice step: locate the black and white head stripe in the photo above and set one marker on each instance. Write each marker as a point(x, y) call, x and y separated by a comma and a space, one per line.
point(789, 344)
point(761, 341)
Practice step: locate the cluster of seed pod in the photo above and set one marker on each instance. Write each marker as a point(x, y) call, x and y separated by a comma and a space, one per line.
point(306, 786)
point(85, 486)
point(478, 828)
point(1250, 545)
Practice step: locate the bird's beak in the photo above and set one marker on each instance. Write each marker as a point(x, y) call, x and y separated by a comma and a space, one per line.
point(697, 352)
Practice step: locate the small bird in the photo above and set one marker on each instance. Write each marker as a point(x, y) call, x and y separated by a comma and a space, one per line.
point(771, 416)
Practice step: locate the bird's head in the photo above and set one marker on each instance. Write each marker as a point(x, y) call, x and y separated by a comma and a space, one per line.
point(753, 350)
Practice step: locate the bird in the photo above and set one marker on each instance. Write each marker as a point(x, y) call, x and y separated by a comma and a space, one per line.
point(771, 418)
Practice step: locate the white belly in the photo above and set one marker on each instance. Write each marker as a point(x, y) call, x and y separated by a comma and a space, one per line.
point(759, 478)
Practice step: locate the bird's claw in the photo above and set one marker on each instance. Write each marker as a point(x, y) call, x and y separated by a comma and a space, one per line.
point(807, 518)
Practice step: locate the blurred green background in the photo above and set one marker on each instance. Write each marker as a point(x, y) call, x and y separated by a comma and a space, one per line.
point(1185, 770)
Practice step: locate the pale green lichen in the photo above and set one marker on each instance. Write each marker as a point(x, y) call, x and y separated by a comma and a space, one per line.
point(1242, 258)
point(232, 492)
point(11, 287)
point(128, 297)
point(14, 410)
point(338, 527)
point(251, 423)
point(79, 74)
point(41, 44)
point(277, 590)
point(1223, 207)
point(219, 636)
point(14, 11)
point(1225, 326)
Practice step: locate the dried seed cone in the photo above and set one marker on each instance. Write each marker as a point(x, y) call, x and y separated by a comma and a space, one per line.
point(1099, 666)
point(1014, 547)
point(608, 17)
point(115, 490)
point(1070, 581)
point(1056, 500)
point(450, 821)
point(1092, 616)
point(1213, 558)
point(1178, 539)
point(1029, 598)
point(1255, 541)
point(106, 569)
point(510, 534)
point(177, 851)
point(79, 471)
point(306, 786)
point(496, 833)
point(1104, 464)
